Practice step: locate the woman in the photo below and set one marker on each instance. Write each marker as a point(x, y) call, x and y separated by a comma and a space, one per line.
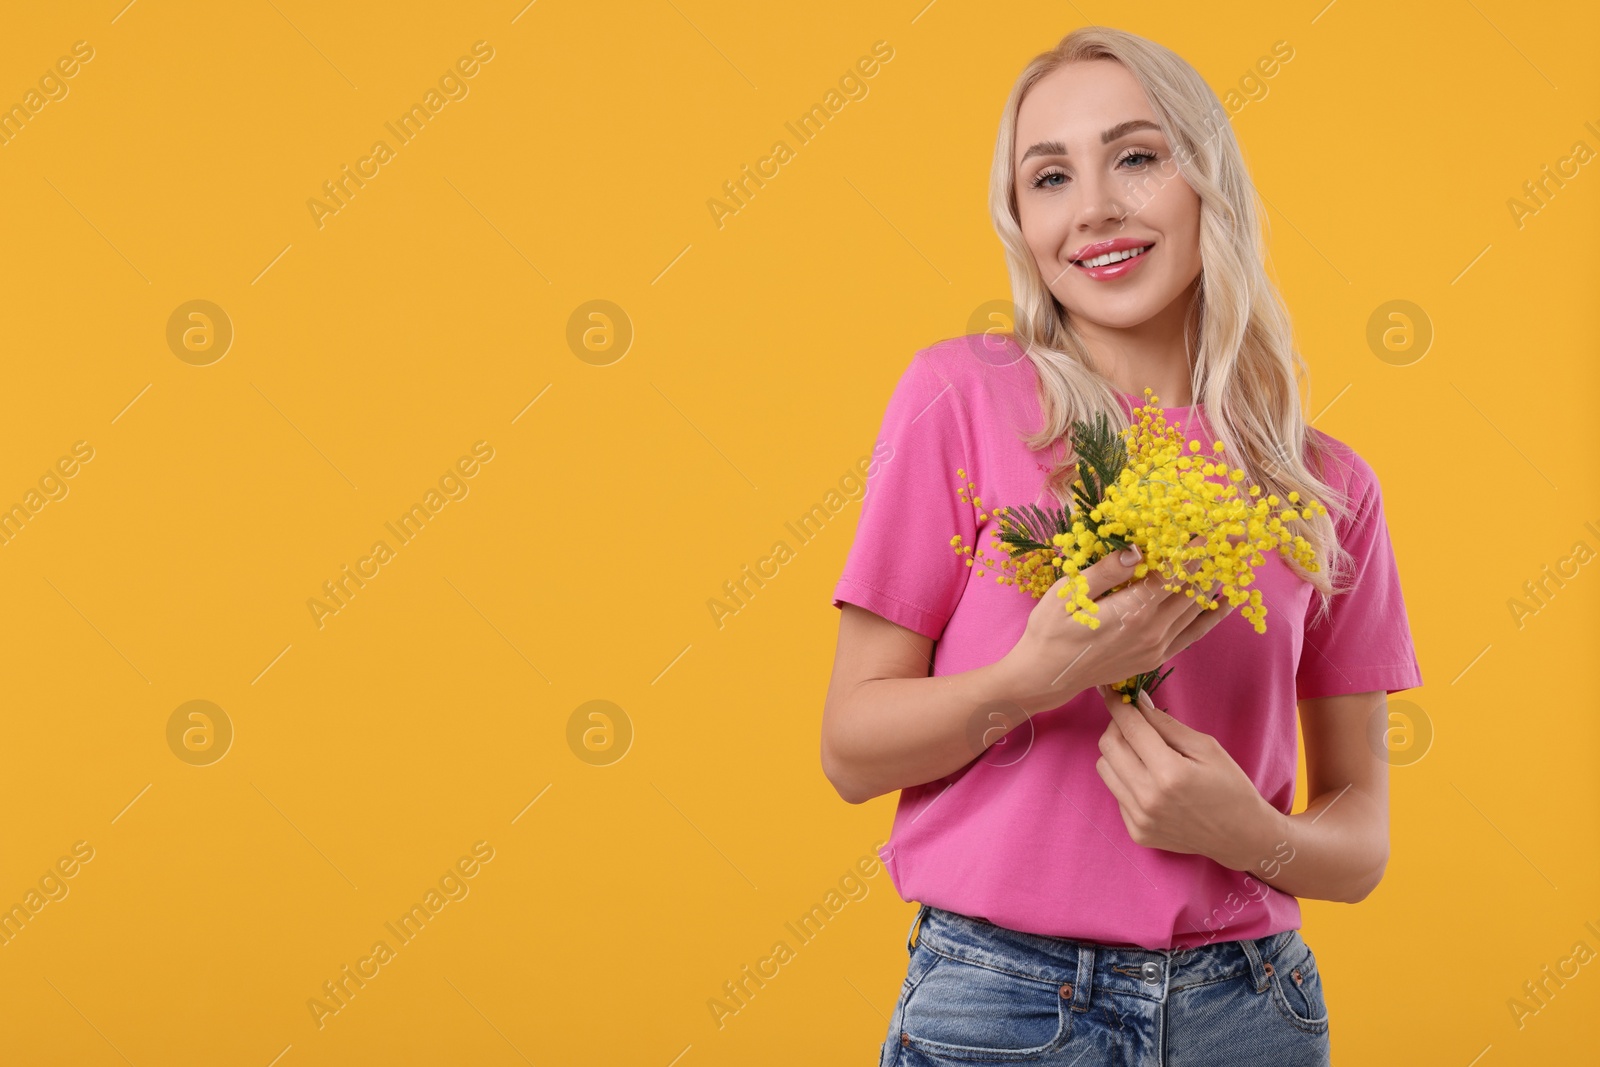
point(1102, 882)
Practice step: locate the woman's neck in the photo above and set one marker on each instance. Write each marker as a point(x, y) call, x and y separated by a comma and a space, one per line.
point(1153, 354)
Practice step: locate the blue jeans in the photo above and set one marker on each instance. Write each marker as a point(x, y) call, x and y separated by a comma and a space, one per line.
point(979, 993)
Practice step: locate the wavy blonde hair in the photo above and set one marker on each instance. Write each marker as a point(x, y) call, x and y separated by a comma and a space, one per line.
point(1245, 370)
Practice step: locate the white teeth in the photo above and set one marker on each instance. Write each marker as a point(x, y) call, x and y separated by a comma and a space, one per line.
point(1111, 257)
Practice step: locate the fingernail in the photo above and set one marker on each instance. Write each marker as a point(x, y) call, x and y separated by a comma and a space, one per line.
point(1129, 556)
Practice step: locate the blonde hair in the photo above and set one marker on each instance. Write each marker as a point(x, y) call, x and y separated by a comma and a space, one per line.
point(1246, 369)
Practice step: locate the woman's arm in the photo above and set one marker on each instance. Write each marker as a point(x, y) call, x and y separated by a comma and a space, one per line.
point(886, 723)
point(1178, 789)
point(1338, 847)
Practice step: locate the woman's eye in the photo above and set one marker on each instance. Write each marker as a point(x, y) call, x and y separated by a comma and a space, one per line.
point(1046, 179)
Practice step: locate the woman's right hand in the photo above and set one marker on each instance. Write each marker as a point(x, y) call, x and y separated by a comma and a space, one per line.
point(1142, 625)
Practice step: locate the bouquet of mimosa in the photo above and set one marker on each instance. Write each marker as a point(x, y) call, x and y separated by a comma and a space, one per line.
point(1147, 487)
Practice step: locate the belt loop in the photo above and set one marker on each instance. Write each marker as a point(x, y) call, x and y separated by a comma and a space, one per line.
point(1258, 969)
point(916, 928)
point(1083, 986)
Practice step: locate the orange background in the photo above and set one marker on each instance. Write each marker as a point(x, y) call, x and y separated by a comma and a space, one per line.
point(640, 460)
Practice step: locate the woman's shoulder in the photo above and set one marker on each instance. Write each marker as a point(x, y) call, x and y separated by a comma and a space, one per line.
point(1341, 466)
point(978, 364)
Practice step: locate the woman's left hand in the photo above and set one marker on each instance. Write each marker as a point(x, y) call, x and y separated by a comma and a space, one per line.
point(1179, 790)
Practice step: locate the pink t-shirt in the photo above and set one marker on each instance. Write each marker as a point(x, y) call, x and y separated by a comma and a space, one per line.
point(1027, 835)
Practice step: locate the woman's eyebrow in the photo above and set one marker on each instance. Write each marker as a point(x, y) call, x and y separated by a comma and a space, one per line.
point(1056, 148)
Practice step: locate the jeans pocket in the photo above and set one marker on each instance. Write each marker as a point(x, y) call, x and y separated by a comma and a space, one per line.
point(962, 1010)
point(1297, 987)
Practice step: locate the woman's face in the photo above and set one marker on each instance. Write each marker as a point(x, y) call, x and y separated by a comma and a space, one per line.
point(1085, 178)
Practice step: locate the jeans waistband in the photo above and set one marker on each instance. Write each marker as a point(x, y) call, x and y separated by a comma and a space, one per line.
point(1088, 966)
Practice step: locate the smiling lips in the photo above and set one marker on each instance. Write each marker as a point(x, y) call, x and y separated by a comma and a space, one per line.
point(1107, 260)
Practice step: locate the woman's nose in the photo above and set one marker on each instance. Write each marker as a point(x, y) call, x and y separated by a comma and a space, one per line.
point(1103, 200)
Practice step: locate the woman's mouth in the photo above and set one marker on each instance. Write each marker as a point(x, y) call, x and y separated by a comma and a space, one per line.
point(1113, 264)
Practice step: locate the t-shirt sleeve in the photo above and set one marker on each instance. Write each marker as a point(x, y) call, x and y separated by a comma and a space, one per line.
point(1363, 644)
point(901, 564)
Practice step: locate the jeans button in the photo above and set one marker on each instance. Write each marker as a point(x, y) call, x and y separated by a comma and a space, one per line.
point(1152, 972)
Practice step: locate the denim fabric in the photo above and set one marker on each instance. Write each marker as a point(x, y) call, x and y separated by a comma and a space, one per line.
point(979, 993)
